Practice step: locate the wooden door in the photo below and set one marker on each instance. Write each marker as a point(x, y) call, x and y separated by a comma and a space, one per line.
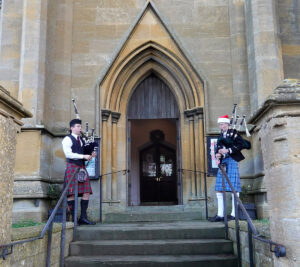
point(158, 175)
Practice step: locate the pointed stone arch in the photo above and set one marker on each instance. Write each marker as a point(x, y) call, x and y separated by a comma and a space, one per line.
point(151, 48)
point(186, 86)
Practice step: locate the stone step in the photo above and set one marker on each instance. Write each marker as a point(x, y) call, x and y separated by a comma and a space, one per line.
point(152, 231)
point(153, 261)
point(157, 208)
point(151, 247)
point(153, 216)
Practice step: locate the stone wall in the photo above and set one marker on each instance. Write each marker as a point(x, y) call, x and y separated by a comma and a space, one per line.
point(278, 124)
point(288, 13)
point(262, 257)
point(11, 112)
point(8, 135)
point(34, 253)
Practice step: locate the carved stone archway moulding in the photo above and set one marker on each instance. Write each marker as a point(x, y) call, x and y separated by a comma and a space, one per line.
point(150, 48)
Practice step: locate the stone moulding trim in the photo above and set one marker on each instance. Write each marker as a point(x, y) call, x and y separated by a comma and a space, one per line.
point(5, 114)
point(45, 130)
point(10, 103)
point(285, 94)
point(263, 229)
point(35, 231)
point(257, 175)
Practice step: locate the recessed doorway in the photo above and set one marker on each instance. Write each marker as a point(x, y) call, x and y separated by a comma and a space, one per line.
point(158, 176)
point(153, 146)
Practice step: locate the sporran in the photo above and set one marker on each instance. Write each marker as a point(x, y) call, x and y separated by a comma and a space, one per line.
point(82, 175)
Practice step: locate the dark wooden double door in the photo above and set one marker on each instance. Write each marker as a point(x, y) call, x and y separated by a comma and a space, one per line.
point(158, 175)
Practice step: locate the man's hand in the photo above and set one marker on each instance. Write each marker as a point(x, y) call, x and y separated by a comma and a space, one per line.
point(94, 154)
point(218, 155)
point(223, 151)
point(87, 157)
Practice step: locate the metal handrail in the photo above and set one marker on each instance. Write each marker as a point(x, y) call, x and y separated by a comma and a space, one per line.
point(278, 249)
point(48, 226)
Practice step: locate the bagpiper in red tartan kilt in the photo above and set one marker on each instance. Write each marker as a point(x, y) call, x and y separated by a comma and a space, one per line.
point(82, 187)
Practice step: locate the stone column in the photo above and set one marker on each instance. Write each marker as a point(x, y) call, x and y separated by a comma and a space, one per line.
point(264, 50)
point(10, 44)
point(11, 112)
point(200, 148)
point(192, 166)
point(114, 190)
point(33, 59)
point(240, 85)
point(105, 190)
point(278, 123)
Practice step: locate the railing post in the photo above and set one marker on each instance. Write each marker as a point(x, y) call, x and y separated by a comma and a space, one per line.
point(225, 207)
point(63, 232)
point(48, 260)
point(205, 192)
point(250, 244)
point(100, 196)
point(75, 209)
point(237, 232)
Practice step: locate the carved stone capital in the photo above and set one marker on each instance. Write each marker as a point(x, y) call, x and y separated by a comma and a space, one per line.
point(189, 113)
point(105, 114)
point(199, 112)
point(115, 116)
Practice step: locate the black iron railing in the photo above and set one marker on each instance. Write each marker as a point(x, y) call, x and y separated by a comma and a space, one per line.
point(100, 184)
point(7, 249)
point(278, 249)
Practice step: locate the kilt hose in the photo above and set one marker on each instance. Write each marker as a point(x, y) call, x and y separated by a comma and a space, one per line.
point(232, 170)
point(82, 187)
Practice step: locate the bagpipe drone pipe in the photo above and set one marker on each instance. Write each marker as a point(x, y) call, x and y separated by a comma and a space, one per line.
point(90, 145)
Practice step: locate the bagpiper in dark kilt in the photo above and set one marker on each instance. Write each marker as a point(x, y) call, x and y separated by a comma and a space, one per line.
point(76, 152)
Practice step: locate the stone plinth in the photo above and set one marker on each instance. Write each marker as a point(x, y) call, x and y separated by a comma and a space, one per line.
point(262, 256)
point(278, 123)
point(11, 111)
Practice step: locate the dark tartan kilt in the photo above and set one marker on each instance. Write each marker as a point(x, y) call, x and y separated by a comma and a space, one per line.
point(82, 187)
point(233, 175)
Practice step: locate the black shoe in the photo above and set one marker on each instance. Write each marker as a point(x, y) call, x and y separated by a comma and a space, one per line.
point(216, 219)
point(230, 218)
point(85, 221)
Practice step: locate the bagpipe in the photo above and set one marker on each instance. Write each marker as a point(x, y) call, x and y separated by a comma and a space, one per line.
point(90, 145)
point(233, 135)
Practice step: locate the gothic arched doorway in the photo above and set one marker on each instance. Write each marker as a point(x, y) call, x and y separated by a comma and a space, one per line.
point(153, 148)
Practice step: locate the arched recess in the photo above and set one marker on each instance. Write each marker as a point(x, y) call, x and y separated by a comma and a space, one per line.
point(115, 92)
point(186, 85)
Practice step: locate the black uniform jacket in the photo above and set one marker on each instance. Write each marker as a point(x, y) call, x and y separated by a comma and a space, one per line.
point(234, 142)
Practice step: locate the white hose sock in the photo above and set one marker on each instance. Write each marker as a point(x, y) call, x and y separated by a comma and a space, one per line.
point(233, 208)
point(220, 204)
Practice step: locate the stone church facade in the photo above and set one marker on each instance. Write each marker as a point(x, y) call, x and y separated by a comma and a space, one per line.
point(157, 69)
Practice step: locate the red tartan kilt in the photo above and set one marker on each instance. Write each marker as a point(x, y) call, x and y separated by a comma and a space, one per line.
point(82, 187)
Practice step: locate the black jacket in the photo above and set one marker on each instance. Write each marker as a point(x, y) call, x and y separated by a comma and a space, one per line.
point(234, 142)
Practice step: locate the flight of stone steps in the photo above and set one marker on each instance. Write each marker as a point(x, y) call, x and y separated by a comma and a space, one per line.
point(155, 243)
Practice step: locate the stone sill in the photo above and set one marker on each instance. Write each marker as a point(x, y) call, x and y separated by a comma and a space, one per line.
point(262, 228)
point(12, 105)
point(35, 231)
point(257, 191)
